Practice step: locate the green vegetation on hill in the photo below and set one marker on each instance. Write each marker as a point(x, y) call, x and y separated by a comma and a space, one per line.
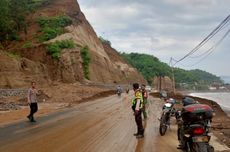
point(12, 17)
point(86, 60)
point(191, 79)
point(150, 66)
point(55, 48)
point(53, 26)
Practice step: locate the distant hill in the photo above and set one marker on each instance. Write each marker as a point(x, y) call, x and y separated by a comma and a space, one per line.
point(225, 78)
point(151, 66)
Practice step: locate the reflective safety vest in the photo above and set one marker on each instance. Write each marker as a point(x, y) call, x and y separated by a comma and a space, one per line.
point(138, 95)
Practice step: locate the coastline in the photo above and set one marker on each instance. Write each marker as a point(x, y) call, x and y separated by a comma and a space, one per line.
point(213, 97)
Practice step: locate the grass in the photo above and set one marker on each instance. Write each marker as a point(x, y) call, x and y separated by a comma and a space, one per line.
point(27, 44)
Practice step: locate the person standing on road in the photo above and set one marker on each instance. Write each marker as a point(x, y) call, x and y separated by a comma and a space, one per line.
point(137, 105)
point(145, 97)
point(119, 90)
point(32, 101)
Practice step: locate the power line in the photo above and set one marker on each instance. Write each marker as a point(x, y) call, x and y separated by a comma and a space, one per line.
point(213, 33)
point(216, 30)
point(206, 53)
point(209, 51)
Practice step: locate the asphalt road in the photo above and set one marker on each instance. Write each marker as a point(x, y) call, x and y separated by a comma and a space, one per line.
point(104, 125)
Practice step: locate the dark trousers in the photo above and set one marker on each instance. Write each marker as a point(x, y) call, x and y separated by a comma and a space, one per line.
point(33, 109)
point(138, 119)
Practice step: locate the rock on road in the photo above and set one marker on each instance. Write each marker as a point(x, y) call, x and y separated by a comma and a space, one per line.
point(104, 125)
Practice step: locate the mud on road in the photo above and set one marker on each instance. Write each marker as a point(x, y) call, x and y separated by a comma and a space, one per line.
point(103, 125)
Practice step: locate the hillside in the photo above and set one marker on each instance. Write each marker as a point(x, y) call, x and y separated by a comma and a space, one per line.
point(56, 43)
point(151, 66)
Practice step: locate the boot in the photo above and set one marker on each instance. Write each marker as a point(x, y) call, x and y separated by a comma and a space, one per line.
point(29, 117)
point(140, 136)
point(135, 134)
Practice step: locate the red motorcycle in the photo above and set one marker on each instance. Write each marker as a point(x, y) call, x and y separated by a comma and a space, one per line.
point(193, 128)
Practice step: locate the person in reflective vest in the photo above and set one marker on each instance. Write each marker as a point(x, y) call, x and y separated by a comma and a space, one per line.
point(145, 97)
point(137, 105)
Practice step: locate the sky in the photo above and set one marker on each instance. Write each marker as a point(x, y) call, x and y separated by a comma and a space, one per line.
point(164, 29)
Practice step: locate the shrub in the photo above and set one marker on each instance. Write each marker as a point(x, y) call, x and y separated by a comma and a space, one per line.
point(55, 48)
point(50, 33)
point(57, 21)
point(86, 60)
point(66, 44)
point(53, 26)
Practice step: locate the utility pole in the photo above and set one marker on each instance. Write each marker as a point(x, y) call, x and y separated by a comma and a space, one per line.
point(173, 78)
point(160, 84)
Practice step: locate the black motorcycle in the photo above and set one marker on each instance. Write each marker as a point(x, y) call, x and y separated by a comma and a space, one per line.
point(193, 128)
point(167, 112)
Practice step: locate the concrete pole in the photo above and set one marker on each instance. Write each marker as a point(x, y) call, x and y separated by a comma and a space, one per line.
point(173, 80)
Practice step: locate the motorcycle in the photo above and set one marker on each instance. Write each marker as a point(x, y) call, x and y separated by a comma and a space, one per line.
point(194, 123)
point(119, 93)
point(167, 112)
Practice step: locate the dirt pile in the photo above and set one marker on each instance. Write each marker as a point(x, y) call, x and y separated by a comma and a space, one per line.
point(57, 93)
point(72, 93)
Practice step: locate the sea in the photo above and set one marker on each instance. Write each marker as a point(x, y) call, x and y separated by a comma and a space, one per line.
point(222, 98)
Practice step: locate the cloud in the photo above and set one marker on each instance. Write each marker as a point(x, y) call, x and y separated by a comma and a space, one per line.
point(166, 28)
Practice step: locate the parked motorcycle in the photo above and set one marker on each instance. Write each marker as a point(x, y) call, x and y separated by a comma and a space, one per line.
point(167, 112)
point(194, 123)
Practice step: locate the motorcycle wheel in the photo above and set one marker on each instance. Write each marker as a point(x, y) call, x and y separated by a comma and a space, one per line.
point(210, 148)
point(188, 148)
point(199, 147)
point(163, 125)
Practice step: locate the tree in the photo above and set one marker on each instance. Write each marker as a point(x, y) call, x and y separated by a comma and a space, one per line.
point(18, 10)
point(4, 19)
point(12, 18)
point(150, 66)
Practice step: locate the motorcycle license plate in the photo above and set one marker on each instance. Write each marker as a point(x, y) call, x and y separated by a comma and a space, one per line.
point(200, 139)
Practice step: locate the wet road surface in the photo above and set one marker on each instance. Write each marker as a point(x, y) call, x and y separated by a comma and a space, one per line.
point(104, 125)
